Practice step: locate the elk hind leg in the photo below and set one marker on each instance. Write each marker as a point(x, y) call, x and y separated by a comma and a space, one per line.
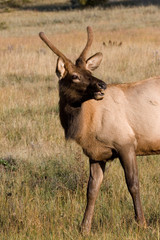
point(129, 164)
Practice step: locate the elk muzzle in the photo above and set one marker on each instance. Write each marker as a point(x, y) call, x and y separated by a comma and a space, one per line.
point(100, 90)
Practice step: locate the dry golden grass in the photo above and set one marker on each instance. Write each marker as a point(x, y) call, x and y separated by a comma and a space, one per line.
point(43, 179)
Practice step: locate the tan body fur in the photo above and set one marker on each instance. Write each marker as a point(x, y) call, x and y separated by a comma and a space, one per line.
point(126, 114)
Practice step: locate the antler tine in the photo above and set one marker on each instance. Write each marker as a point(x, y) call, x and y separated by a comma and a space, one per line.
point(82, 57)
point(52, 47)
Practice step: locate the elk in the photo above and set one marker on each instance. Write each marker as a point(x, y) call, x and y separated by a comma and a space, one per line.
point(107, 121)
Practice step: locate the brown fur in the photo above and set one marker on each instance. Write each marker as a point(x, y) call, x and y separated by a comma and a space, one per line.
point(120, 121)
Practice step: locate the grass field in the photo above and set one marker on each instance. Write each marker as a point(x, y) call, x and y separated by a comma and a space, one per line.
point(43, 178)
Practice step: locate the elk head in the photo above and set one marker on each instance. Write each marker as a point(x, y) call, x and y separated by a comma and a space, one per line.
point(76, 83)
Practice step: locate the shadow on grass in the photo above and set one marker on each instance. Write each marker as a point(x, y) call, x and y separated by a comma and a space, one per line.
point(154, 219)
point(68, 6)
point(8, 163)
point(131, 3)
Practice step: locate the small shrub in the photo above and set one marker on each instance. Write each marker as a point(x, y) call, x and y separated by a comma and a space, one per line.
point(14, 3)
point(3, 26)
point(87, 2)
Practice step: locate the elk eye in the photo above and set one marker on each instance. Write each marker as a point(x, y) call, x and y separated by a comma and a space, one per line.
point(75, 78)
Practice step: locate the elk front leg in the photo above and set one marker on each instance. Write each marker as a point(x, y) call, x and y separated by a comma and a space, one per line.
point(95, 180)
point(129, 164)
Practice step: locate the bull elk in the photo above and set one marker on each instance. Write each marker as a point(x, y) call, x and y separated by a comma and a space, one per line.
point(107, 121)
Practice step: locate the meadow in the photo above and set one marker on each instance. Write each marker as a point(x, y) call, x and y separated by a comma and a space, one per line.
point(43, 178)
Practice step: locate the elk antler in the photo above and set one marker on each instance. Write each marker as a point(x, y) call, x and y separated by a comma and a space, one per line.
point(52, 47)
point(82, 56)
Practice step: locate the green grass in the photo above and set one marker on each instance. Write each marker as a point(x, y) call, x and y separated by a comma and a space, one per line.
point(43, 178)
point(46, 200)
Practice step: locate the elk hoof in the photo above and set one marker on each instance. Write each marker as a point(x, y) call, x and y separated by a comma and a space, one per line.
point(141, 223)
point(85, 231)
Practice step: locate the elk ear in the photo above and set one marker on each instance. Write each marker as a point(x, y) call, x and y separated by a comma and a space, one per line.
point(93, 62)
point(60, 68)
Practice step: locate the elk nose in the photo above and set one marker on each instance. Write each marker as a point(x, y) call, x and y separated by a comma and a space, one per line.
point(102, 85)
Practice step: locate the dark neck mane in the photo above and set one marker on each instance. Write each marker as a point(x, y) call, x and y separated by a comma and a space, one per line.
point(69, 117)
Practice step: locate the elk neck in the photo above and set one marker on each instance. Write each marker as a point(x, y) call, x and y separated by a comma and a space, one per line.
point(69, 116)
